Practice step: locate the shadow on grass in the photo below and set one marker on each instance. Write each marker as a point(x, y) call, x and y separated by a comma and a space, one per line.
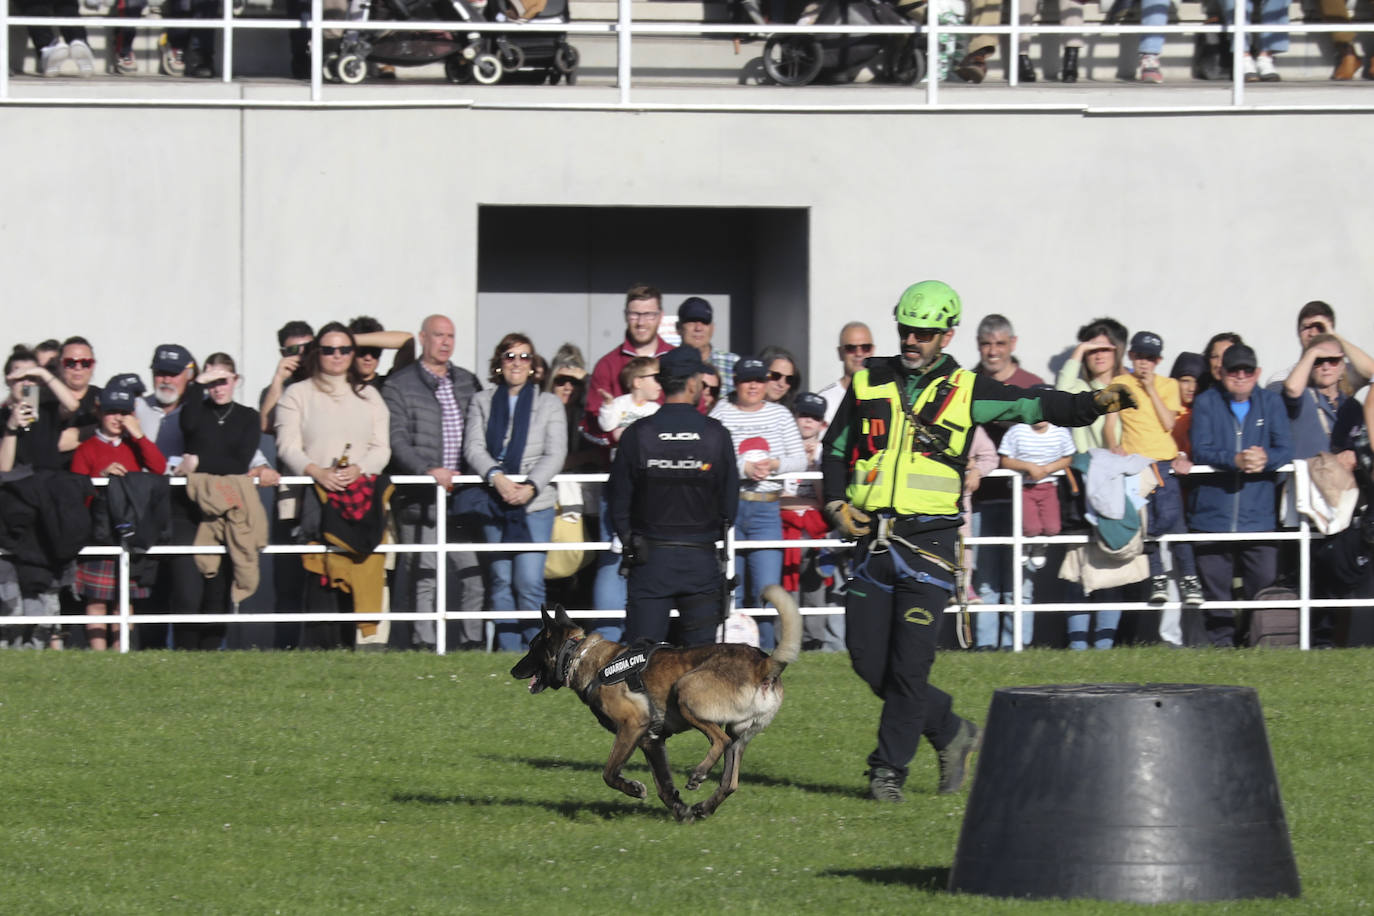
point(605, 810)
point(747, 776)
point(919, 877)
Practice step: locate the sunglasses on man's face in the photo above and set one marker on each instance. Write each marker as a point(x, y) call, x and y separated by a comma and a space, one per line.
point(858, 348)
point(370, 352)
point(293, 349)
point(345, 350)
point(922, 335)
point(779, 377)
point(70, 363)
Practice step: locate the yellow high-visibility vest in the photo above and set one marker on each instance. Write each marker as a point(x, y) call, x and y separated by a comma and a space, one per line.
point(890, 472)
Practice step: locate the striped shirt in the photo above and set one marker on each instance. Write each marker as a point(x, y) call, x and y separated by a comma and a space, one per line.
point(1023, 443)
point(452, 421)
point(769, 432)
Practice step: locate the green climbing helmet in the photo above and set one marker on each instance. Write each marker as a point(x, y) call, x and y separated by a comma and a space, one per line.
point(929, 304)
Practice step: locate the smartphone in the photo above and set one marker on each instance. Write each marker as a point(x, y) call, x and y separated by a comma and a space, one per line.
point(28, 394)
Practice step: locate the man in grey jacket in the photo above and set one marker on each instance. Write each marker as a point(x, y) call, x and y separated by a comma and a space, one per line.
point(428, 400)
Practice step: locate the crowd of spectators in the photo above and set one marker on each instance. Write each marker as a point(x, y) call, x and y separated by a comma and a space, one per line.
point(330, 415)
point(191, 52)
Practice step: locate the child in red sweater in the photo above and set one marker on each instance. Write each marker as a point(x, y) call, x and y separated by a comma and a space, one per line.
point(118, 448)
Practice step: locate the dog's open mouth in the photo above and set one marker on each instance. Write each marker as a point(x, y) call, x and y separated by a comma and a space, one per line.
point(536, 683)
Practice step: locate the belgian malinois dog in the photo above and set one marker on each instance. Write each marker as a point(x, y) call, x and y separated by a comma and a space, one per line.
point(727, 691)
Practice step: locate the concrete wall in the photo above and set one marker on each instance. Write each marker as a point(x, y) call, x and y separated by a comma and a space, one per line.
point(212, 227)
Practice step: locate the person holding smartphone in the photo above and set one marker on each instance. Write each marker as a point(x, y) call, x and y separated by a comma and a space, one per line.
point(32, 427)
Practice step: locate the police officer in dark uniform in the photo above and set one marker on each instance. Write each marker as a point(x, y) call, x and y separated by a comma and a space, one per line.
point(673, 492)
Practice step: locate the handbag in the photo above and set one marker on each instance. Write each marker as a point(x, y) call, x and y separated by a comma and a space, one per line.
point(567, 529)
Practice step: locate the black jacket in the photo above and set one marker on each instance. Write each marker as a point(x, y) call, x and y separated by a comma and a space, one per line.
point(135, 511)
point(44, 523)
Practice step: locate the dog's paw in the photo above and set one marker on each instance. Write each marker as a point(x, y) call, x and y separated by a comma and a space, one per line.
point(635, 789)
point(694, 781)
point(684, 814)
point(699, 810)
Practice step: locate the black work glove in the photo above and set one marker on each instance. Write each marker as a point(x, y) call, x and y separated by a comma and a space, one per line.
point(849, 520)
point(1114, 397)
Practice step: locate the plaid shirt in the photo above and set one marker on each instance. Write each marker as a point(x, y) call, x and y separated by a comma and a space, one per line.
point(725, 366)
point(452, 420)
point(355, 502)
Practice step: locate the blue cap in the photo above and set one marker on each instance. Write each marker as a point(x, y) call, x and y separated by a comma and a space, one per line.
point(127, 381)
point(1146, 343)
point(113, 397)
point(172, 359)
point(682, 362)
point(750, 370)
point(695, 308)
point(810, 404)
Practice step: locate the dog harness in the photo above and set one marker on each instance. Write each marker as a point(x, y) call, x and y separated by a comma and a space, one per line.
point(628, 667)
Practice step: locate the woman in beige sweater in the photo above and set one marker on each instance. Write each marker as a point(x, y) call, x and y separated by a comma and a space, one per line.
point(331, 415)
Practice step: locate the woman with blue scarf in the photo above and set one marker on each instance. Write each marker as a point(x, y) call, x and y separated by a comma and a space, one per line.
point(514, 429)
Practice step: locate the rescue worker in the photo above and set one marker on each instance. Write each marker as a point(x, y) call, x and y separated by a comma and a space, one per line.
point(673, 492)
point(893, 465)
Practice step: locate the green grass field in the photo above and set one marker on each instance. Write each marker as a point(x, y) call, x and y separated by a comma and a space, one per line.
point(308, 783)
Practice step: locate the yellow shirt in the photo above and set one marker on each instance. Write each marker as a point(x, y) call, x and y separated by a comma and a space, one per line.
point(1141, 431)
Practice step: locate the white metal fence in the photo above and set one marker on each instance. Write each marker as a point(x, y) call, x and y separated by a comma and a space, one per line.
point(1018, 543)
point(625, 28)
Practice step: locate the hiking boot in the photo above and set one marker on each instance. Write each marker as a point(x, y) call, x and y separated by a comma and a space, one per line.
point(1191, 589)
point(954, 757)
point(885, 785)
point(1025, 72)
point(974, 67)
point(1159, 589)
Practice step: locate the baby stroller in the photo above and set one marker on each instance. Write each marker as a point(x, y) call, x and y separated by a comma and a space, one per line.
point(796, 60)
point(459, 50)
point(536, 56)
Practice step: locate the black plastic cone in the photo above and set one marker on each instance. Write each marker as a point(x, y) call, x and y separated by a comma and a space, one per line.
point(1146, 793)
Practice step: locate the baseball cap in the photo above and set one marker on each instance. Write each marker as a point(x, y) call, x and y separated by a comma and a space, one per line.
point(172, 358)
point(127, 381)
point(695, 308)
point(750, 370)
point(810, 404)
point(681, 362)
point(1238, 356)
point(1147, 343)
point(113, 397)
point(1189, 364)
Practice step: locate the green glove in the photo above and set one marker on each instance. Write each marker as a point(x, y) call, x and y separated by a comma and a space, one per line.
point(851, 522)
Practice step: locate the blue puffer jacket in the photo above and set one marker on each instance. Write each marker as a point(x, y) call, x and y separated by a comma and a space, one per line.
point(1229, 500)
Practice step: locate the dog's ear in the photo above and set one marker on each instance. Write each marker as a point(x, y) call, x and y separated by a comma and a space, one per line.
point(562, 617)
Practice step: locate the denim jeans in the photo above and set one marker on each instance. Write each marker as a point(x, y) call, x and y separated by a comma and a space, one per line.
point(608, 588)
point(517, 582)
point(1153, 12)
point(1092, 628)
point(992, 579)
point(758, 521)
point(1271, 12)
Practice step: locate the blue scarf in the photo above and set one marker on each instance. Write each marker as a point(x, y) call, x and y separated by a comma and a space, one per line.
point(515, 528)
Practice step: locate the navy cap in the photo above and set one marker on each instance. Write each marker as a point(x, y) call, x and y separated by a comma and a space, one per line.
point(112, 397)
point(750, 370)
point(810, 404)
point(1147, 343)
point(1238, 356)
point(127, 381)
point(1189, 364)
point(696, 308)
point(172, 358)
point(681, 362)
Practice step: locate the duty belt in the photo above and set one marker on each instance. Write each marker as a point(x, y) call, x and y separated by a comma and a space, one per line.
point(881, 542)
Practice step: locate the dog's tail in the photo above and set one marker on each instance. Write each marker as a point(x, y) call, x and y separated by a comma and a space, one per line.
point(790, 640)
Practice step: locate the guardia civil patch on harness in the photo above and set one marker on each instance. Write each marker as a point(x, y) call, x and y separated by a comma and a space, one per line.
point(628, 665)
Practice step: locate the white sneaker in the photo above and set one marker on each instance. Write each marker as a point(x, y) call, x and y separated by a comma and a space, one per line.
point(1251, 74)
point(51, 58)
point(1267, 72)
point(85, 60)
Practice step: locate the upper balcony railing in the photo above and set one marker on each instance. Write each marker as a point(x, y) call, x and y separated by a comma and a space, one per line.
point(922, 96)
